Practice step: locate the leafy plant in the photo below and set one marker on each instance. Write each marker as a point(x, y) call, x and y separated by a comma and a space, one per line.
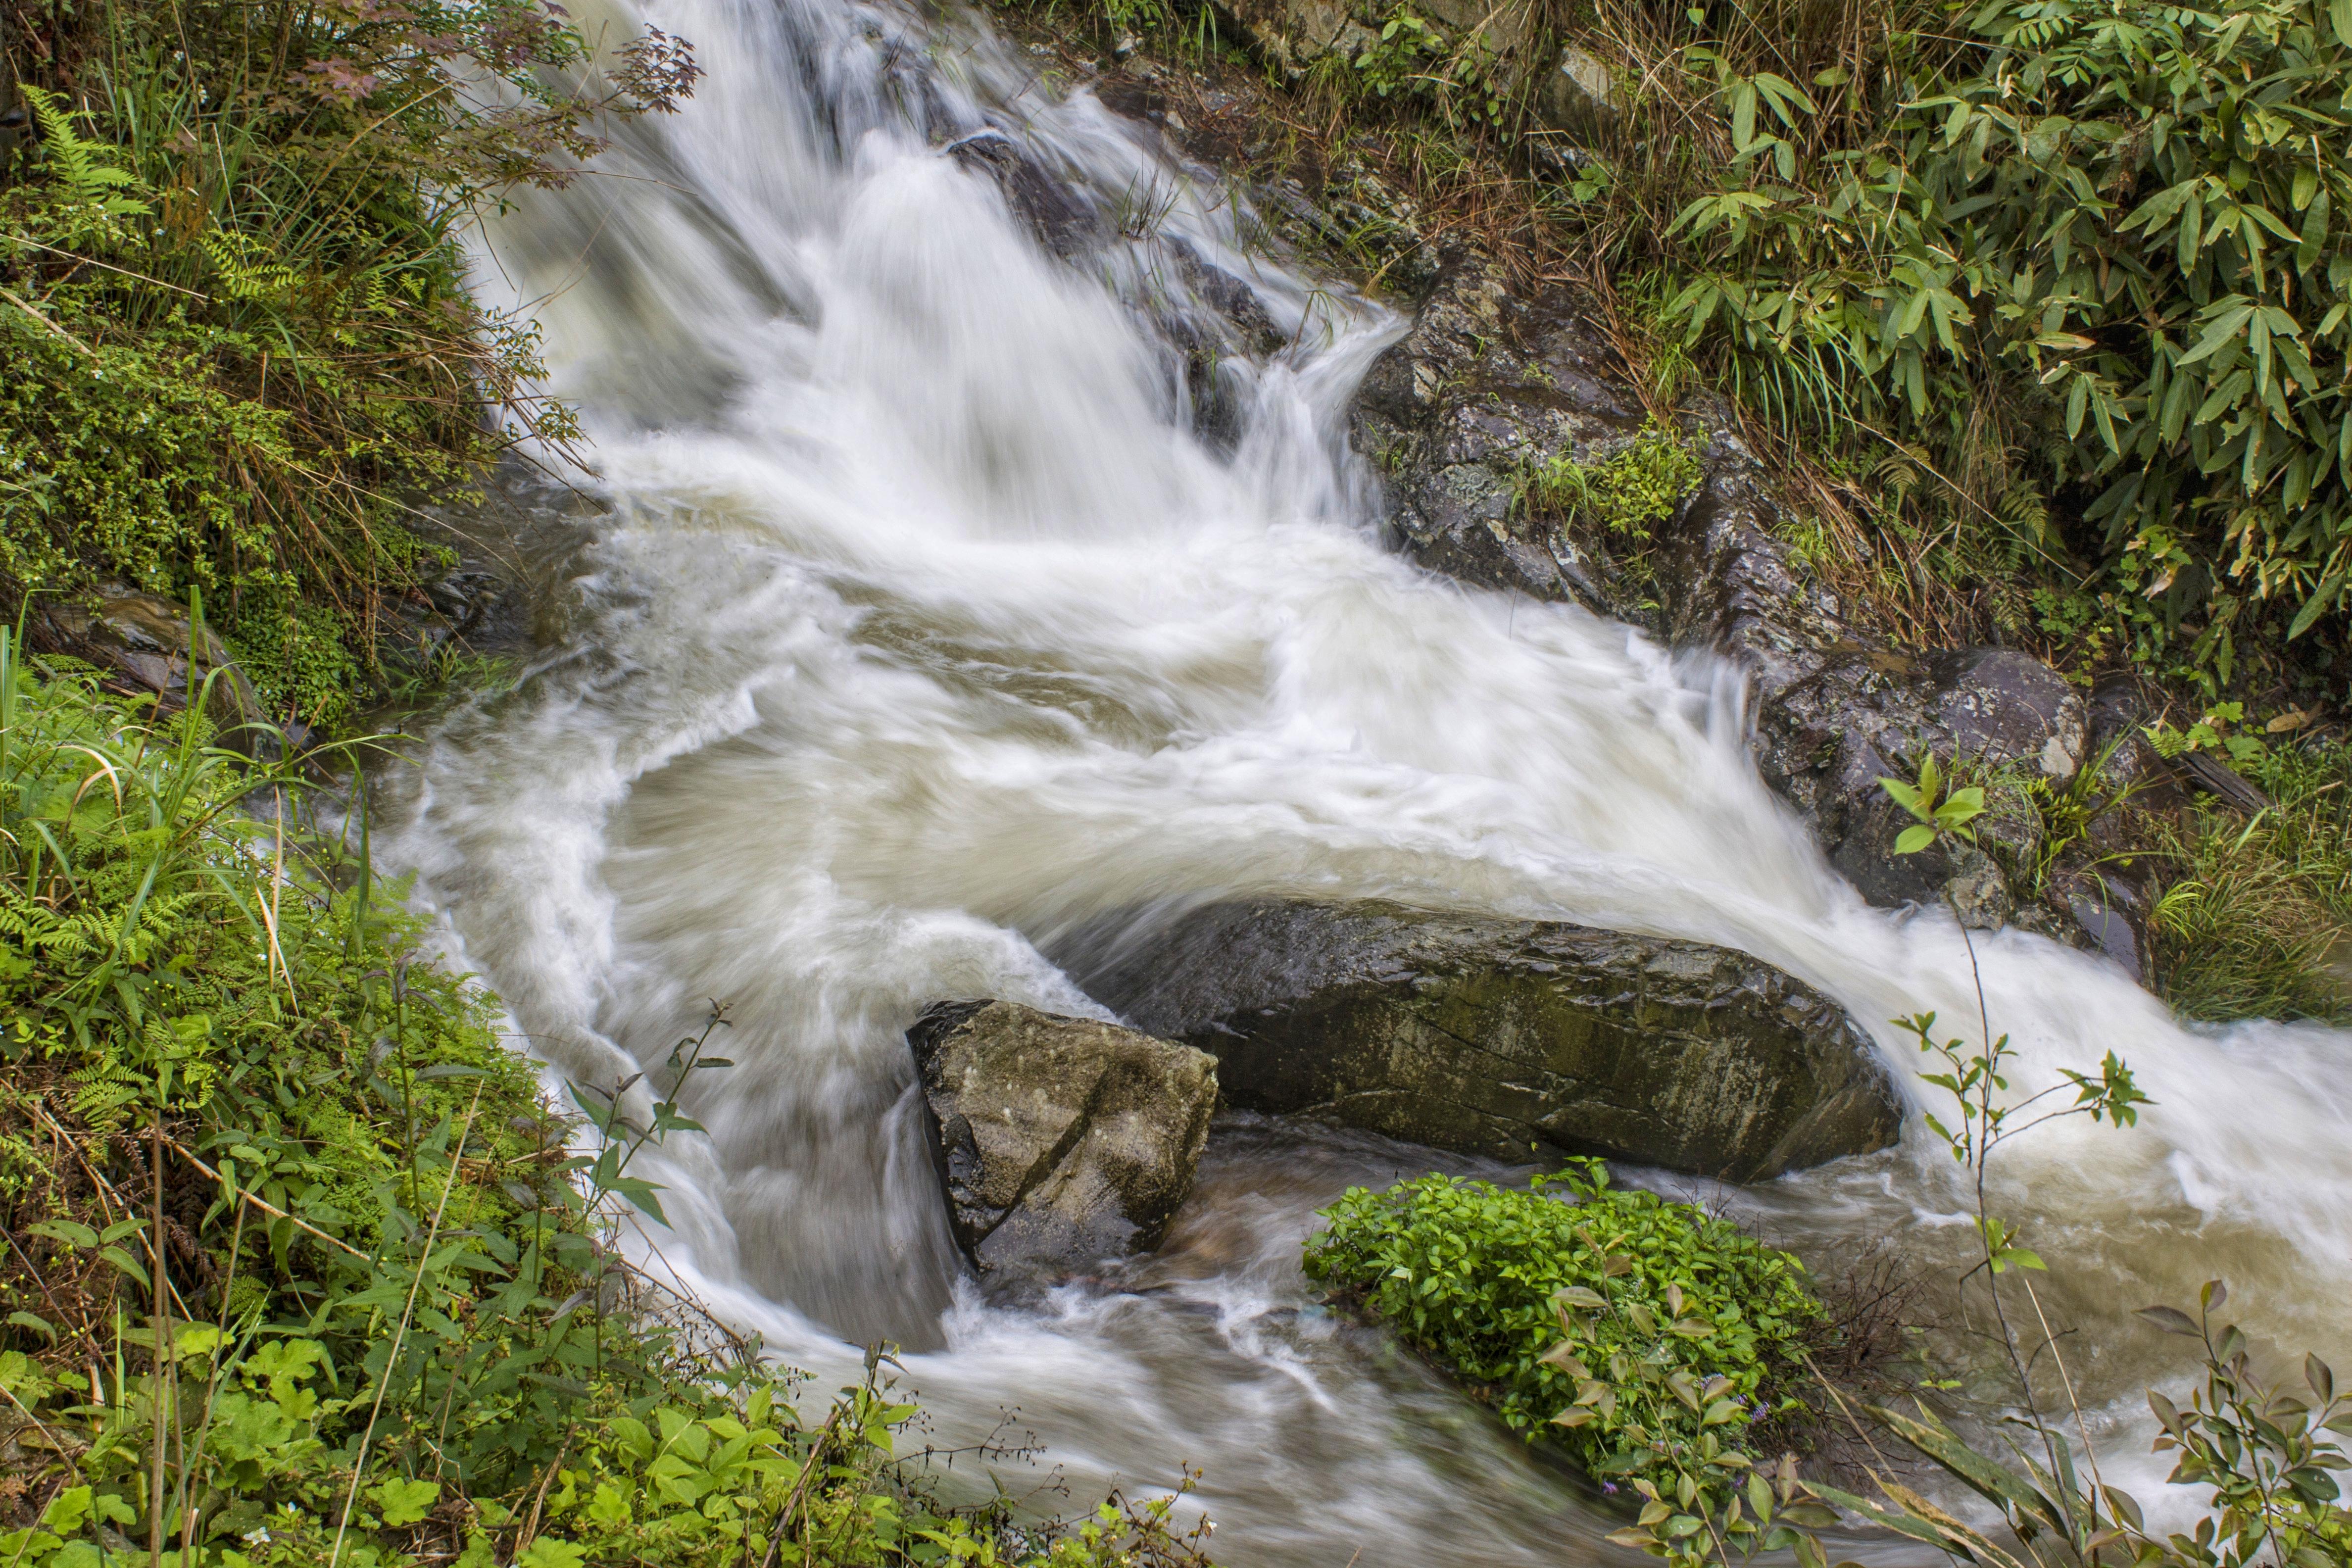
point(2116, 231)
point(1641, 483)
point(1647, 1337)
point(1939, 815)
point(1413, 59)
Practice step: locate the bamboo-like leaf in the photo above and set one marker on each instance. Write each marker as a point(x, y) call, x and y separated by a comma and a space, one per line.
point(1993, 1481)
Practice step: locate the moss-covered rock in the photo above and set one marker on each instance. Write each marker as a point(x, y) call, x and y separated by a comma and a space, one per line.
point(1461, 416)
point(1499, 1038)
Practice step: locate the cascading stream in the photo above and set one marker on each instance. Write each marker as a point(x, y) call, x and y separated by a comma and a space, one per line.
point(942, 603)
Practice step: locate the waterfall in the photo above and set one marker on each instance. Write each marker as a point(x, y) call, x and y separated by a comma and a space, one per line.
point(980, 550)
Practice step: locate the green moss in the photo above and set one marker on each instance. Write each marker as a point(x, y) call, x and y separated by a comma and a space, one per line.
point(1637, 486)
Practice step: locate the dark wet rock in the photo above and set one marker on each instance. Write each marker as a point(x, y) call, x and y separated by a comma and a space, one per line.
point(1998, 703)
point(16, 120)
point(468, 596)
point(1484, 389)
point(509, 549)
point(1213, 325)
point(2118, 711)
point(1487, 387)
point(1233, 301)
point(1060, 1142)
point(1835, 710)
point(1064, 223)
point(1502, 1037)
point(142, 645)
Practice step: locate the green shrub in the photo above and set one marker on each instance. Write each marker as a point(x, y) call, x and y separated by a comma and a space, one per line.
point(1550, 1306)
point(2106, 246)
point(238, 340)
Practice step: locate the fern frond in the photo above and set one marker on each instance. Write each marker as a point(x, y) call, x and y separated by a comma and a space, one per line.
point(83, 166)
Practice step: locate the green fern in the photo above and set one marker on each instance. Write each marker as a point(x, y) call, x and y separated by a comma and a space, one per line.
point(86, 168)
point(246, 270)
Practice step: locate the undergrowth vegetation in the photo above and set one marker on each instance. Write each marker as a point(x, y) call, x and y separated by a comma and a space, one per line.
point(239, 342)
point(2097, 251)
point(2257, 923)
point(1648, 1338)
point(301, 1267)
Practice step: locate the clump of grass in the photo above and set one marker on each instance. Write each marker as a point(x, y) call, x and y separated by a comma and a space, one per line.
point(2259, 907)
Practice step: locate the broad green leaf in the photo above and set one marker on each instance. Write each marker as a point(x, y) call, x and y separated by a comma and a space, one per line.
point(402, 1503)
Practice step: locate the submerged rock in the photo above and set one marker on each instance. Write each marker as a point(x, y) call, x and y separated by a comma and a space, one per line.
point(1503, 1037)
point(1064, 223)
point(1060, 1142)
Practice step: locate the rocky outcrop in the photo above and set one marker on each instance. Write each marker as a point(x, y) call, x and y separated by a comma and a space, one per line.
point(1459, 415)
point(141, 644)
point(1294, 36)
point(1836, 710)
point(1060, 1142)
point(1488, 389)
point(1569, 88)
point(1502, 1037)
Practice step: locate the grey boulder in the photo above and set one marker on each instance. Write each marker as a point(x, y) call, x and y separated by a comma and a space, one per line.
point(1060, 1142)
point(1503, 1037)
point(1484, 389)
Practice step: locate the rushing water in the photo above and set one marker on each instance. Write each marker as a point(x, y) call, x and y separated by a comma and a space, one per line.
point(923, 624)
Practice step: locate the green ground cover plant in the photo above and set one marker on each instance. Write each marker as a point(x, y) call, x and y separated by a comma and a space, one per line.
point(1645, 1336)
point(298, 1265)
point(231, 302)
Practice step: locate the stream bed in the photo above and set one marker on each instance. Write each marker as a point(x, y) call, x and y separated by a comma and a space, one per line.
point(923, 617)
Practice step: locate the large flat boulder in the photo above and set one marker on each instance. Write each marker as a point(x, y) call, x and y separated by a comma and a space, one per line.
point(1059, 1142)
point(1503, 1037)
